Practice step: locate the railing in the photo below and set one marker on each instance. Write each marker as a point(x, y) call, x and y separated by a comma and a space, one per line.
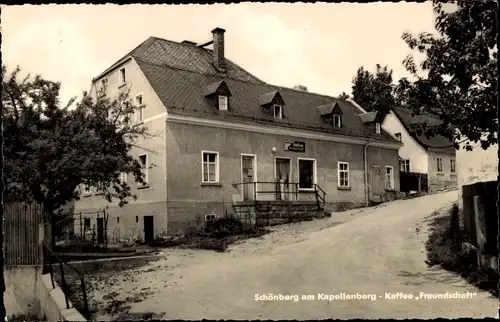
point(272, 190)
point(51, 255)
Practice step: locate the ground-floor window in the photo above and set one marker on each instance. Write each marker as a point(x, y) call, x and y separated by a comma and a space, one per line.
point(307, 169)
point(389, 178)
point(452, 166)
point(86, 224)
point(439, 164)
point(343, 174)
point(210, 166)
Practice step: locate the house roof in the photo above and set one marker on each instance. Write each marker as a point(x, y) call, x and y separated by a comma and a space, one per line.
point(368, 117)
point(437, 143)
point(327, 109)
point(179, 73)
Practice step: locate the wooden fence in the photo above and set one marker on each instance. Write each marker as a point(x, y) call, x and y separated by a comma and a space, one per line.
point(480, 217)
point(413, 181)
point(22, 225)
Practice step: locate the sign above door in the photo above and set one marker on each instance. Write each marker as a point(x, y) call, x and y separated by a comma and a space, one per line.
point(295, 146)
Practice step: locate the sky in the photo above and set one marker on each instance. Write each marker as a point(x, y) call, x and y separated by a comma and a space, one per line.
point(318, 45)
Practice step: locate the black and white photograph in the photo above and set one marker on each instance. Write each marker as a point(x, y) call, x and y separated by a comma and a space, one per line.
point(250, 161)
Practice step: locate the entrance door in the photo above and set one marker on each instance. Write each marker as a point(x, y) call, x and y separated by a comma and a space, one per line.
point(248, 176)
point(377, 184)
point(100, 231)
point(282, 178)
point(149, 229)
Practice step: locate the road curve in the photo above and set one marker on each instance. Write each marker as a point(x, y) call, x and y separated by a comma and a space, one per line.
point(378, 253)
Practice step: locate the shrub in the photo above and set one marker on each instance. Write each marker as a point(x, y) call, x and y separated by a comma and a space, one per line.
point(224, 227)
point(446, 249)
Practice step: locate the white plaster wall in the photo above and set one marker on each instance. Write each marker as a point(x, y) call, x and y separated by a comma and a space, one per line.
point(410, 149)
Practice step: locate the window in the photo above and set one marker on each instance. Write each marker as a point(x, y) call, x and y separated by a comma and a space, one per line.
point(439, 164)
point(143, 161)
point(86, 224)
point(136, 218)
point(117, 220)
point(405, 165)
point(337, 121)
point(377, 128)
point(389, 178)
point(87, 190)
point(307, 173)
point(343, 174)
point(278, 112)
point(104, 83)
point(123, 76)
point(140, 105)
point(123, 177)
point(398, 136)
point(222, 103)
point(210, 171)
point(452, 166)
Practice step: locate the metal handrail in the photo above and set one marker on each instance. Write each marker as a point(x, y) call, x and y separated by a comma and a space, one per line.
point(64, 285)
point(320, 194)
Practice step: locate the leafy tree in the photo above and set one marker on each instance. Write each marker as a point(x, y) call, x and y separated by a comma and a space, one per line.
point(343, 96)
point(374, 92)
point(51, 150)
point(457, 80)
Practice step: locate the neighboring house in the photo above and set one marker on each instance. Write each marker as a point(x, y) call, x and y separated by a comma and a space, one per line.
point(226, 137)
point(434, 157)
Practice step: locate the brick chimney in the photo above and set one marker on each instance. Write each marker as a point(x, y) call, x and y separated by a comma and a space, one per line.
point(218, 44)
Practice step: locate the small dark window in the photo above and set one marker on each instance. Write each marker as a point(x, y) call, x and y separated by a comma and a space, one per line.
point(278, 111)
point(117, 220)
point(136, 218)
point(337, 120)
point(86, 223)
point(398, 136)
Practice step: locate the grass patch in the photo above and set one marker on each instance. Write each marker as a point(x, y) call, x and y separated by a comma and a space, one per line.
point(446, 248)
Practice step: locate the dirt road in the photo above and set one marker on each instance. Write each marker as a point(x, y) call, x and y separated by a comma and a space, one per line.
point(379, 252)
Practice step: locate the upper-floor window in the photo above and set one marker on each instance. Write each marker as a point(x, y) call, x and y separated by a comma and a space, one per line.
point(337, 120)
point(398, 136)
point(123, 177)
point(278, 111)
point(104, 84)
point(377, 128)
point(452, 166)
point(140, 105)
point(143, 161)
point(439, 162)
point(405, 165)
point(123, 76)
point(223, 103)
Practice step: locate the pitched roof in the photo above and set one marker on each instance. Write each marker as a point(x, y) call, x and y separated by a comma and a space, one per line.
point(179, 73)
point(184, 56)
point(437, 143)
point(368, 117)
point(327, 109)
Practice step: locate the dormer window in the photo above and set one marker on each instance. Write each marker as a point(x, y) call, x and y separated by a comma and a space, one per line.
point(223, 103)
point(398, 136)
point(278, 111)
point(377, 128)
point(217, 94)
point(337, 120)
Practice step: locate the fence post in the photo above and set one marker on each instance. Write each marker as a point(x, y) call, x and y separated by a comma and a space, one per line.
point(255, 191)
point(64, 286)
point(479, 217)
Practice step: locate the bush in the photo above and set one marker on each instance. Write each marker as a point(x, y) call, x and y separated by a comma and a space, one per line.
point(224, 227)
point(445, 247)
point(25, 317)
